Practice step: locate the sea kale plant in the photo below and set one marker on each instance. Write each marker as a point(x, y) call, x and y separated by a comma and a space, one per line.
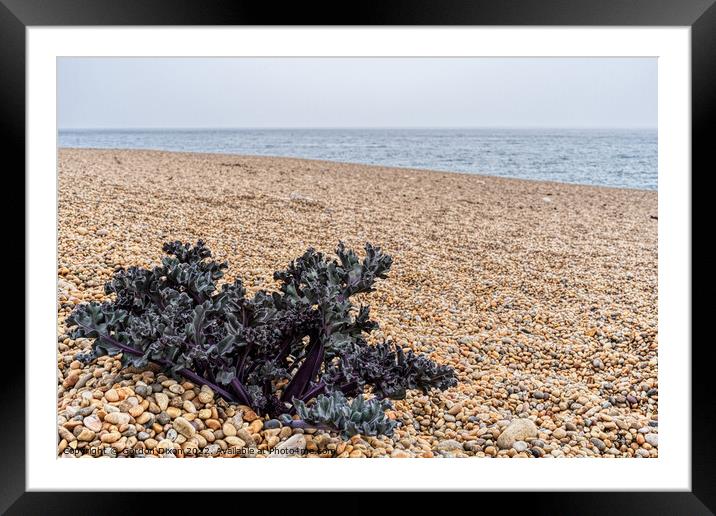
point(299, 353)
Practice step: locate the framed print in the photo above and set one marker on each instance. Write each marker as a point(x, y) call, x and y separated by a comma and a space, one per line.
point(460, 237)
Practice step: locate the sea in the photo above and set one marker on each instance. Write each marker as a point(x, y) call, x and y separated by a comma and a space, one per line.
point(621, 158)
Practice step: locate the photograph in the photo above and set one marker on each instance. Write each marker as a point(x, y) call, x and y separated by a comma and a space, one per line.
point(357, 257)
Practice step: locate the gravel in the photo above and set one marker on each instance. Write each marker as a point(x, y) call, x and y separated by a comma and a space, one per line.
point(528, 300)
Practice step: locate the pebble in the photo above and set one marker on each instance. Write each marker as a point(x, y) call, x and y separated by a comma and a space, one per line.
point(517, 430)
point(598, 443)
point(455, 409)
point(111, 437)
point(652, 439)
point(184, 427)
point(111, 395)
point(117, 418)
point(165, 444)
point(228, 429)
point(142, 390)
point(520, 446)
point(234, 441)
point(533, 335)
point(93, 423)
point(206, 396)
point(244, 435)
point(176, 389)
point(85, 435)
point(296, 443)
point(449, 445)
point(162, 400)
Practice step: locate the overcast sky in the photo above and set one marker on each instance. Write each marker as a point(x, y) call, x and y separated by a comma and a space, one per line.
point(356, 92)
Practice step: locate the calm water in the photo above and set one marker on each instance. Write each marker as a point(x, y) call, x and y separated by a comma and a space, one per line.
point(621, 158)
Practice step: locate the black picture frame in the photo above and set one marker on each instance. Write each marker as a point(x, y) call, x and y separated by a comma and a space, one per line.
point(699, 15)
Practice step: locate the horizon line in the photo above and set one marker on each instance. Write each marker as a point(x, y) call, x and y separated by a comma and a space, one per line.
point(274, 128)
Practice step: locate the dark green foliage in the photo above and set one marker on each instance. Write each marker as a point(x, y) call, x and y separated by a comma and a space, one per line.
point(274, 351)
point(360, 416)
point(390, 370)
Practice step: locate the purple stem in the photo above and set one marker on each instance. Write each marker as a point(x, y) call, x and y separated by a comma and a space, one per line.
point(300, 423)
point(306, 372)
point(184, 372)
point(318, 389)
point(241, 392)
point(242, 362)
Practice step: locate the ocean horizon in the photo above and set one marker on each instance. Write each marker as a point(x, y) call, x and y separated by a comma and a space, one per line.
point(623, 158)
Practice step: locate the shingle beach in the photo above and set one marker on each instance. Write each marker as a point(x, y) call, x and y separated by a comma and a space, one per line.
point(543, 296)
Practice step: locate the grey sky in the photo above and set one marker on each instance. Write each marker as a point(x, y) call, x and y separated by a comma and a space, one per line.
point(356, 92)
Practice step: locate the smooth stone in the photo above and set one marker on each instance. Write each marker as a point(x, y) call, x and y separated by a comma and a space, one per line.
point(142, 390)
point(117, 418)
point(206, 396)
point(455, 409)
point(83, 380)
point(162, 400)
point(165, 444)
point(111, 395)
point(93, 423)
point(449, 445)
point(517, 430)
point(228, 429)
point(85, 435)
point(176, 389)
point(111, 437)
point(520, 446)
point(173, 412)
point(234, 441)
point(294, 446)
point(652, 439)
point(598, 443)
point(184, 427)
